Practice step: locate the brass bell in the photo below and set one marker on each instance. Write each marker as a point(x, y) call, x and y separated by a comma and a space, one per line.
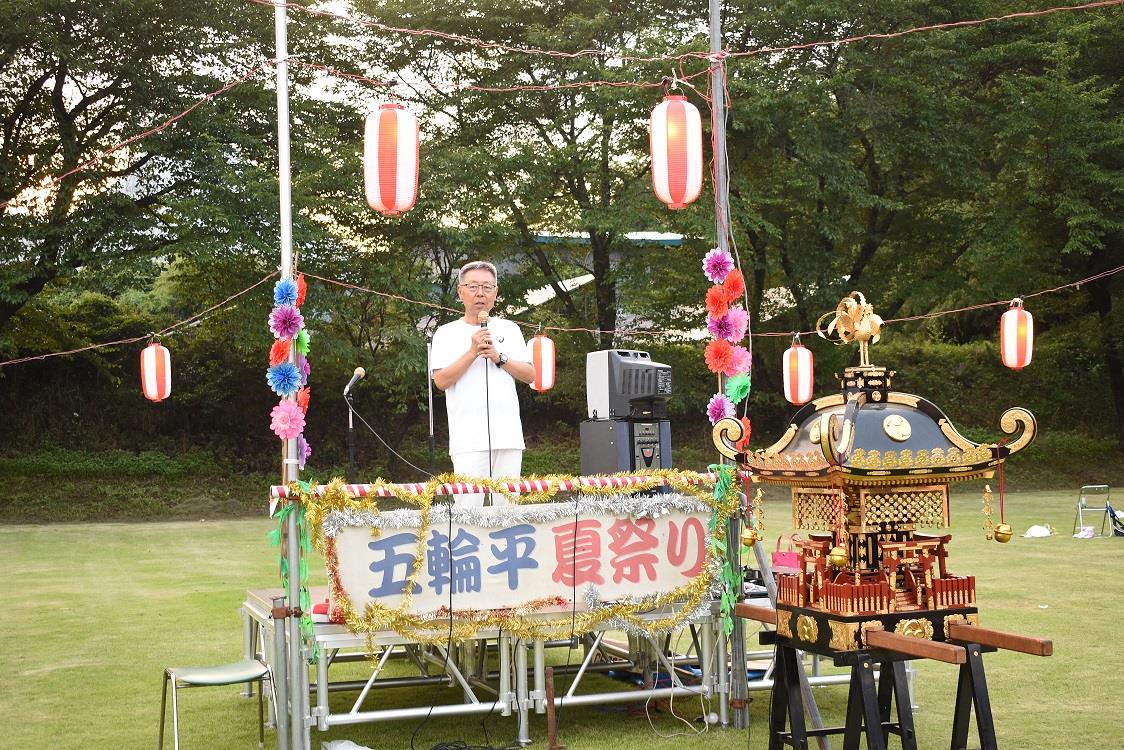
point(1003, 533)
point(837, 558)
point(750, 536)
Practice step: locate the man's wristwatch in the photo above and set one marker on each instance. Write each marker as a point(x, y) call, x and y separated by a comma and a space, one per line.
point(501, 361)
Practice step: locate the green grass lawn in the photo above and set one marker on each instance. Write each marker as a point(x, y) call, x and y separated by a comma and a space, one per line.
point(96, 610)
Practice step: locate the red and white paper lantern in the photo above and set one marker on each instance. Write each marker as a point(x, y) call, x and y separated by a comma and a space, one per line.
point(676, 145)
point(798, 373)
point(390, 160)
point(156, 372)
point(542, 357)
point(1016, 336)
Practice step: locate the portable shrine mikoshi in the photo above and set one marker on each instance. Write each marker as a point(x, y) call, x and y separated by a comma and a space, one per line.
point(869, 468)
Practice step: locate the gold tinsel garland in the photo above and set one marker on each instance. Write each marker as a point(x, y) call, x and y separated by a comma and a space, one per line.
point(442, 630)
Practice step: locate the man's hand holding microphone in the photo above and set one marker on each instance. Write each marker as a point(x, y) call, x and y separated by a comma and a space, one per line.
point(482, 340)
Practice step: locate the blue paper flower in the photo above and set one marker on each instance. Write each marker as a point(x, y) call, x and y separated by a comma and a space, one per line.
point(284, 379)
point(285, 292)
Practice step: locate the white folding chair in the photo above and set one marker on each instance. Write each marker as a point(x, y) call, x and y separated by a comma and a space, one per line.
point(250, 670)
point(1095, 493)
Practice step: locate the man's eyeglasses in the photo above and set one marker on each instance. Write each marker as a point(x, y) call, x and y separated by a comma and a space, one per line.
point(474, 288)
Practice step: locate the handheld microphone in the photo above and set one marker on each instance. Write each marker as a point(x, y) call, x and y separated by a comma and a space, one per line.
point(482, 319)
point(355, 378)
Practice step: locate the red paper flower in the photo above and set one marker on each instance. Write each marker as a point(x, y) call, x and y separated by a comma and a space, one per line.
point(719, 355)
point(734, 285)
point(302, 399)
point(747, 429)
point(717, 303)
point(279, 352)
point(302, 289)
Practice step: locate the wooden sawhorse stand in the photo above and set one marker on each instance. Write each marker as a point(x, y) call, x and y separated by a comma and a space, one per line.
point(869, 708)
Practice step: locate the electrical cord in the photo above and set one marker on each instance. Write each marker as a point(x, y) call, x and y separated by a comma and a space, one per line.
point(400, 457)
point(488, 427)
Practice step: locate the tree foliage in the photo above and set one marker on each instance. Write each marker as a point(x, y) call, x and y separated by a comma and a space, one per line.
point(930, 171)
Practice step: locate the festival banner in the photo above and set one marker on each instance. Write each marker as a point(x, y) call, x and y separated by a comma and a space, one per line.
point(510, 557)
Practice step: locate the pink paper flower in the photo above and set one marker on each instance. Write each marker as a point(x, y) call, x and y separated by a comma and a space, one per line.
point(720, 328)
point(739, 324)
point(740, 361)
point(285, 321)
point(719, 407)
point(288, 420)
point(717, 264)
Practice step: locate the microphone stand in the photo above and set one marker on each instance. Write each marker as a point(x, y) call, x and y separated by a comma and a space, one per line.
point(350, 438)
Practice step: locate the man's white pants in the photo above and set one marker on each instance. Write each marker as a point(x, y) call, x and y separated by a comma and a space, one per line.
point(506, 462)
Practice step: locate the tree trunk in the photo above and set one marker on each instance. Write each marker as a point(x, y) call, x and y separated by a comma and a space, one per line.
point(605, 286)
point(18, 295)
point(1100, 293)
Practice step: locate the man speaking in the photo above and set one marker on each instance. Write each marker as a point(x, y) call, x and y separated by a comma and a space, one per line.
point(476, 361)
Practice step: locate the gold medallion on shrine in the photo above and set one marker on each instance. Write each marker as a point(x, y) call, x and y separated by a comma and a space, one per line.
point(897, 428)
point(806, 629)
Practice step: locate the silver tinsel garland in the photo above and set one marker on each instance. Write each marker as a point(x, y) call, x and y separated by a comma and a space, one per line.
point(634, 506)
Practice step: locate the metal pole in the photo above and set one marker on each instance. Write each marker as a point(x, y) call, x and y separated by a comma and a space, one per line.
point(764, 564)
point(280, 674)
point(298, 672)
point(284, 170)
point(739, 686)
point(718, 127)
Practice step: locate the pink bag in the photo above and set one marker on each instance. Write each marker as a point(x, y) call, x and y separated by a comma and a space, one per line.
point(789, 558)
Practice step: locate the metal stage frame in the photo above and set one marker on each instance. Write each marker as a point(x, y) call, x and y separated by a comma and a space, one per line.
point(516, 688)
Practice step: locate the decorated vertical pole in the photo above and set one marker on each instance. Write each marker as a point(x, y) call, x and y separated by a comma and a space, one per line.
point(297, 673)
point(739, 691)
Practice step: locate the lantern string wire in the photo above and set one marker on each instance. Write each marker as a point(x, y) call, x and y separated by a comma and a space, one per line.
point(538, 327)
point(442, 88)
point(672, 334)
point(603, 54)
point(167, 331)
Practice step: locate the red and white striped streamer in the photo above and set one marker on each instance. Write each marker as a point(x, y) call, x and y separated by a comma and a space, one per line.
point(391, 150)
point(1016, 336)
point(542, 357)
point(676, 146)
point(156, 372)
point(798, 365)
point(281, 491)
